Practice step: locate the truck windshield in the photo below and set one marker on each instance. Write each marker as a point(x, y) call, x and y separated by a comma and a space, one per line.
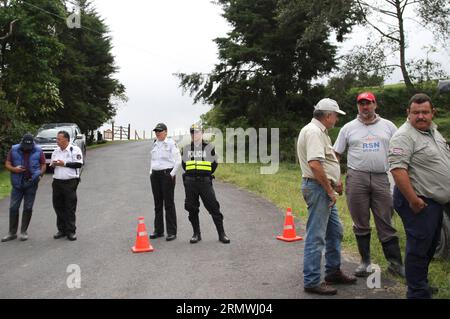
point(49, 135)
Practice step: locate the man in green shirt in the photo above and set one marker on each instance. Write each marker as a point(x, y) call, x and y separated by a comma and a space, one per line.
point(419, 159)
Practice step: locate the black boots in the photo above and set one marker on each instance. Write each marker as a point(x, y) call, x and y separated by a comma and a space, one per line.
point(196, 238)
point(13, 225)
point(26, 218)
point(391, 250)
point(222, 236)
point(364, 250)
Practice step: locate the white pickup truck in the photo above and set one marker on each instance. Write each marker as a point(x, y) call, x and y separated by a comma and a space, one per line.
point(46, 138)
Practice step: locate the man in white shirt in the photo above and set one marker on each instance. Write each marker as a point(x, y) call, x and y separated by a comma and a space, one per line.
point(164, 164)
point(67, 161)
point(367, 185)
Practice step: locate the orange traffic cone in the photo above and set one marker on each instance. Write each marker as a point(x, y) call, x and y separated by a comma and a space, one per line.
point(289, 233)
point(142, 242)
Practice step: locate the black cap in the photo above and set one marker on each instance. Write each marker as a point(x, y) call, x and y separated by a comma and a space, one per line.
point(160, 127)
point(27, 142)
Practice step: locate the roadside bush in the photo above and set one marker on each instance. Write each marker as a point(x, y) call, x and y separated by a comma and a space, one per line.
point(11, 129)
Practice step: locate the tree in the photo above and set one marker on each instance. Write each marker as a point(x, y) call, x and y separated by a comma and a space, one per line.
point(425, 70)
point(50, 72)
point(390, 24)
point(269, 58)
point(87, 86)
point(29, 55)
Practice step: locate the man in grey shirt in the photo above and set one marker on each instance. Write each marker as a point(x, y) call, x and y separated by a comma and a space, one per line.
point(367, 185)
point(419, 159)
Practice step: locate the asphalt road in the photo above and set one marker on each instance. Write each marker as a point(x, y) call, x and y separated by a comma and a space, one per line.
point(114, 191)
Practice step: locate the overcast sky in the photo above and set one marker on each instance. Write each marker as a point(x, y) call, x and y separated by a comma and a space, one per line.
point(154, 39)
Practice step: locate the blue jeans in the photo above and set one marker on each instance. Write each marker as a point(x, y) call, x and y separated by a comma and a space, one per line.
point(423, 232)
point(28, 194)
point(323, 231)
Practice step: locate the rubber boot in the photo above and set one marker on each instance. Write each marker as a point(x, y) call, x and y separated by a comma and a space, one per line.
point(221, 232)
point(196, 237)
point(26, 218)
point(13, 225)
point(364, 250)
point(391, 250)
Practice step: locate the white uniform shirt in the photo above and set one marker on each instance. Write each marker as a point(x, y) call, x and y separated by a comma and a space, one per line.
point(368, 144)
point(165, 155)
point(72, 154)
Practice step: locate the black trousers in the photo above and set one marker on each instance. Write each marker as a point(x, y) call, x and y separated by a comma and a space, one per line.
point(163, 188)
point(423, 231)
point(65, 204)
point(201, 187)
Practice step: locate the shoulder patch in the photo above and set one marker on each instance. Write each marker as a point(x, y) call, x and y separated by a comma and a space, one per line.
point(397, 151)
point(78, 156)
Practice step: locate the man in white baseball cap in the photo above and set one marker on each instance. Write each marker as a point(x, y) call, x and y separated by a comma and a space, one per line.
point(321, 183)
point(328, 105)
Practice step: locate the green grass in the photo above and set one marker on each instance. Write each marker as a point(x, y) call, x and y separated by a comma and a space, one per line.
point(5, 184)
point(283, 189)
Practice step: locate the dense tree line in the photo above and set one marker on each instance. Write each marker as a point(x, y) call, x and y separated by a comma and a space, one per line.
point(51, 71)
point(270, 61)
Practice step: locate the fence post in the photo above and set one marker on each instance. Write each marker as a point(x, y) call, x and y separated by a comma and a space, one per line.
point(129, 131)
point(113, 132)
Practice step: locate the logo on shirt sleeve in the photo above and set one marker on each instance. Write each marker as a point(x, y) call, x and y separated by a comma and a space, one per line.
point(79, 157)
point(397, 151)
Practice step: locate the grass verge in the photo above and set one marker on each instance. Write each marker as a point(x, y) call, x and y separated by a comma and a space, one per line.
point(5, 184)
point(283, 189)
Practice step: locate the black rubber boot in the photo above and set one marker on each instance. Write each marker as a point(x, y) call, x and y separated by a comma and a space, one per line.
point(26, 218)
point(196, 237)
point(391, 250)
point(364, 250)
point(222, 236)
point(13, 225)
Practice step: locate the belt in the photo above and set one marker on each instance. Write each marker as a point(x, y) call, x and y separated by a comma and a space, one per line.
point(307, 179)
point(65, 180)
point(197, 178)
point(168, 170)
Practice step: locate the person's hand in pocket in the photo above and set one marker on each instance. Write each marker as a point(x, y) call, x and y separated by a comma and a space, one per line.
point(417, 205)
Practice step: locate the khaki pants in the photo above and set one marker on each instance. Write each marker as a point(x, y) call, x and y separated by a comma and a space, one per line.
point(370, 191)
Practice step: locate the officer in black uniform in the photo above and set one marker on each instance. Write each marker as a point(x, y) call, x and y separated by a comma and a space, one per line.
point(199, 162)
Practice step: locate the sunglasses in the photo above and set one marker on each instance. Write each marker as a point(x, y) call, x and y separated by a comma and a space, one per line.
point(159, 131)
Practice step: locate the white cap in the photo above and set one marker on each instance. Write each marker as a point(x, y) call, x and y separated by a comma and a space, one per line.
point(328, 105)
